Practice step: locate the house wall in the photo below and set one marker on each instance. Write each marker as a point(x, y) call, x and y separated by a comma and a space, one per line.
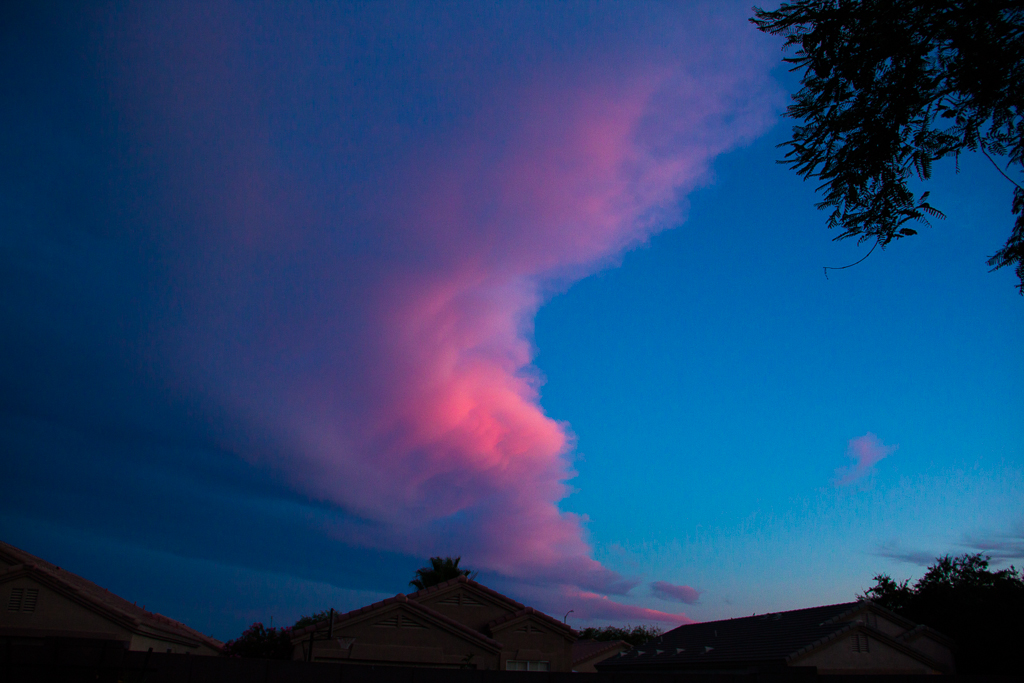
point(889, 628)
point(399, 636)
point(587, 665)
point(840, 657)
point(934, 650)
point(532, 639)
point(56, 613)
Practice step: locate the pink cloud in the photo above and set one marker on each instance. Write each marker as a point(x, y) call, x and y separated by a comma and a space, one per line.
point(370, 329)
point(668, 591)
point(591, 606)
point(865, 451)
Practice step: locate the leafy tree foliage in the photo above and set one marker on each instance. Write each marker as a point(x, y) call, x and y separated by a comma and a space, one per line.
point(891, 86)
point(965, 600)
point(893, 595)
point(314, 618)
point(635, 635)
point(260, 642)
point(441, 569)
point(257, 641)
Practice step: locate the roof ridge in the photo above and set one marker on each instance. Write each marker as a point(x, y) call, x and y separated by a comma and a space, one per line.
point(609, 645)
point(530, 610)
point(768, 614)
point(469, 582)
point(925, 628)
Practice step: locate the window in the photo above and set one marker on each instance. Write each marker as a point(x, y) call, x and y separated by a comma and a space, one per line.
point(524, 665)
point(859, 643)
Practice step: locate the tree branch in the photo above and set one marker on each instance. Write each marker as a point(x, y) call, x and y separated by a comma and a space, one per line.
point(828, 268)
point(982, 148)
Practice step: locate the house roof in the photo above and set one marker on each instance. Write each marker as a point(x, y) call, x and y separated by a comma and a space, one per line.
point(921, 630)
point(762, 639)
point(527, 612)
point(449, 623)
point(583, 650)
point(100, 599)
point(469, 583)
point(518, 609)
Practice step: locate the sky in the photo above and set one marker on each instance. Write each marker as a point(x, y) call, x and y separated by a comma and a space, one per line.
point(296, 296)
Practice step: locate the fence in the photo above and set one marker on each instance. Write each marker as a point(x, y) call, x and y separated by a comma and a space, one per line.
point(111, 663)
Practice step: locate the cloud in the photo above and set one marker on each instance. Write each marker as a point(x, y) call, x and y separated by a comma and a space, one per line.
point(278, 240)
point(865, 451)
point(1002, 547)
point(668, 591)
point(893, 550)
point(591, 606)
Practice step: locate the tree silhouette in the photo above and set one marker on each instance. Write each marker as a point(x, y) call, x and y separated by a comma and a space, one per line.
point(962, 598)
point(634, 635)
point(891, 86)
point(260, 642)
point(441, 569)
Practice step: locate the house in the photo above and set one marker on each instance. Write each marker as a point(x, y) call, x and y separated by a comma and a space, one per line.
point(43, 603)
point(849, 638)
point(455, 624)
point(587, 653)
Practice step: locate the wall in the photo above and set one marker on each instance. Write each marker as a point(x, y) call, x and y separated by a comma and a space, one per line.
point(839, 657)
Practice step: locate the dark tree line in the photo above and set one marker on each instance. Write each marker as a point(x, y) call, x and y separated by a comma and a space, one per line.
point(891, 86)
point(634, 635)
point(962, 598)
point(261, 642)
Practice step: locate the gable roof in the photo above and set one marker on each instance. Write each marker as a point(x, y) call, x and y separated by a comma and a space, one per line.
point(583, 650)
point(527, 612)
point(445, 622)
point(465, 582)
point(921, 631)
point(96, 598)
point(779, 638)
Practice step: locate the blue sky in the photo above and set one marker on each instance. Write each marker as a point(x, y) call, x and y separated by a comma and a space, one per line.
point(713, 382)
point(295, 298)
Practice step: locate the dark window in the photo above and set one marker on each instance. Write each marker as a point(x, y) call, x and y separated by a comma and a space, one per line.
point(524, 665)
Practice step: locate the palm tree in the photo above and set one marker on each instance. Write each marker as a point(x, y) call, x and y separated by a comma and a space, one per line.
point(441, 569)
